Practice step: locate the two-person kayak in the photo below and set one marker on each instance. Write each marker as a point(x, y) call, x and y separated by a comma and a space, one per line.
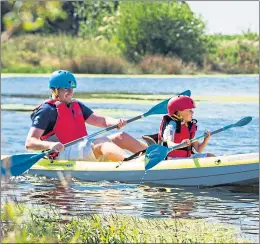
point(240, 169)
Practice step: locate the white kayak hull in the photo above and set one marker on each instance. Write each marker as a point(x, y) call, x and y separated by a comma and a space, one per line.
point(241, 169)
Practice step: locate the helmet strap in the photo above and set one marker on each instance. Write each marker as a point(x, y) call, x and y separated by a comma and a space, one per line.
point(177, 117)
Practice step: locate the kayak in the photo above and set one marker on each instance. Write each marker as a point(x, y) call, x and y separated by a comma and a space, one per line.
point(239, 169)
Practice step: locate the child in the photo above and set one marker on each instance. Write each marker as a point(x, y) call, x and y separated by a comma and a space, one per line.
point(178, 126)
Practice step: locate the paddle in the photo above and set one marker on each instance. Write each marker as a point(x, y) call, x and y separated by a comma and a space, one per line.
point(19, 163)
point(157, 153)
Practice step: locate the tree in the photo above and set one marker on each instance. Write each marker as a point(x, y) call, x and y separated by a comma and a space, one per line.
point(163, 28)
point(30, 16)
point(92, 15)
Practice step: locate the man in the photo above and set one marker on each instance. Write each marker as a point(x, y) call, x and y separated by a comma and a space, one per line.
point(62, 119)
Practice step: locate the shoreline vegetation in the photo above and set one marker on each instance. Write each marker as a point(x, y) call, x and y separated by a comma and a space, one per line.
point(36, 54)
point(120, 37)
point(22, 223)
point(155, 76)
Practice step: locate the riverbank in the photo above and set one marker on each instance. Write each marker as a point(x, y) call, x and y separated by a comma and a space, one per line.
point(25, 224)
point(47, 75)
point(45, 53)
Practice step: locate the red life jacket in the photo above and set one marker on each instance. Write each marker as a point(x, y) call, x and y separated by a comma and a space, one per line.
point(70, 124)
point(182, 132)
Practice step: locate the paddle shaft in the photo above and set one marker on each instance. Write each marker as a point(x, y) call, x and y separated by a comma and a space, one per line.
point(202, 136)
point(129, 121)
point(99, 132)
point(162, 107)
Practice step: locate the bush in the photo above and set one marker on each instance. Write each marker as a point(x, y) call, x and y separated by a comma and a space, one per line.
point(39, 53)
point(93, 14)
point(150, 28)
point(248, 35)
point(43, 54)
point(165, 65)
point(234, 57)
point(102, 65)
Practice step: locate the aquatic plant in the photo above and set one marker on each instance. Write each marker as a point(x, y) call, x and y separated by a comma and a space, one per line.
point(26, 224)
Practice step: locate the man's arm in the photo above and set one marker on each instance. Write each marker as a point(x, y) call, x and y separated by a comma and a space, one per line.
point(104, 121)
point(41, 119)
point(33, 141)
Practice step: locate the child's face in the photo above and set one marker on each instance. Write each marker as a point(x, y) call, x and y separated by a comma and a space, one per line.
point(187, 115)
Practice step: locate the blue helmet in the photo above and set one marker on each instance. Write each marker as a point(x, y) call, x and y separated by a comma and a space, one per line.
point(62, 79)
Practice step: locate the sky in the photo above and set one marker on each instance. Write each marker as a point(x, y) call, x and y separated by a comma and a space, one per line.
point(228, 17)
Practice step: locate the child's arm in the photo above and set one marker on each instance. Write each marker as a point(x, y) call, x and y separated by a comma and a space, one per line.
point(199, 147)
point(168, 135)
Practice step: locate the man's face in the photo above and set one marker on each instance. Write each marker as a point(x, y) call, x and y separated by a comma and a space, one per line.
point(65, 95)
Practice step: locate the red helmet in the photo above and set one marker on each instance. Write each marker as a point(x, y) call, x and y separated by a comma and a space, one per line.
point(180, 103)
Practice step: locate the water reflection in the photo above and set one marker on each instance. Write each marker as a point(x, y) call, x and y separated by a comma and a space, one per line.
point(75, 198)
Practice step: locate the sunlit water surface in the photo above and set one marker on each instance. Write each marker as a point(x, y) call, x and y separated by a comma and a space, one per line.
point(235, 206)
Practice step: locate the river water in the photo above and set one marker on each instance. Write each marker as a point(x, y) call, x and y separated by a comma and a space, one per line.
point(229, 205)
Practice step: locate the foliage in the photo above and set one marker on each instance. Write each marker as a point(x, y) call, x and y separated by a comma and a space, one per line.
point(21, 224)
point(109, 27)
point(155, 37)
point(247, 35)
point(31, 15)
point(237, 56)
point(92, 15)
point(103, 65)
point(43, 54)
point(170, 29)
point(40, 54)
point(165, 65)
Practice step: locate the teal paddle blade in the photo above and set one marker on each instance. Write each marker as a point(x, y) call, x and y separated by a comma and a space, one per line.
point(155, 154)
point(18, 164)
point(186, 93)
point(243, 121)
point(161, 108)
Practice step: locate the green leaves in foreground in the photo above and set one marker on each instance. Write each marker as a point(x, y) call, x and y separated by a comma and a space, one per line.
point(21, 224)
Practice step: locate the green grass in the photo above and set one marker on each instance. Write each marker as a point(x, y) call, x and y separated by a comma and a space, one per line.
point(24, 224)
